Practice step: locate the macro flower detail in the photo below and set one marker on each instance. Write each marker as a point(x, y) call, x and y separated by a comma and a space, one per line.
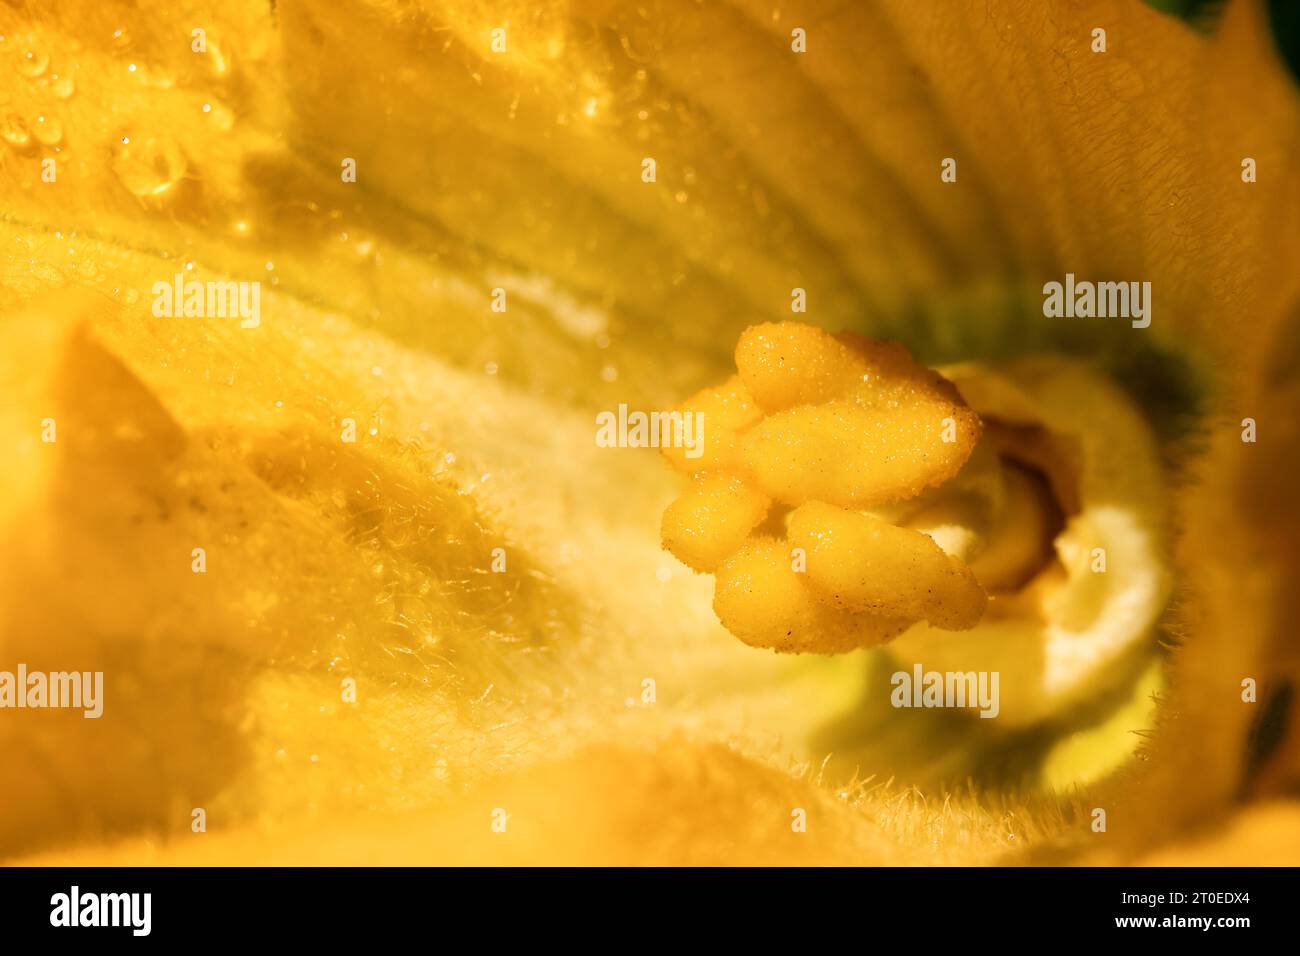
point(328, 515)
point(824, 425)
point(848, 497)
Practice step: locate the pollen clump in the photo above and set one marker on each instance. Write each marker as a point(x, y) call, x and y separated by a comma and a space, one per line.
point(712, 518)
point(764, 602)
point(862, 563)
point(829, 425)
point(728, 410)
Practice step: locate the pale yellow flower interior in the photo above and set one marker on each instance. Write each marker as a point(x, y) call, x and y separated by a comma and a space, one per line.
point(490, 580)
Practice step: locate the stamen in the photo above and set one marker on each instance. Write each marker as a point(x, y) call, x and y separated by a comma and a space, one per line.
point(830, 425)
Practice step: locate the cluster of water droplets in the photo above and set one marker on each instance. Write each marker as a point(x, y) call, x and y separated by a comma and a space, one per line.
point(24, 133)
point(149, 163)
point(144, 157)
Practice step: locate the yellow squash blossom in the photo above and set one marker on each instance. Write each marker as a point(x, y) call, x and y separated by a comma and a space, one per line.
point(307, 309)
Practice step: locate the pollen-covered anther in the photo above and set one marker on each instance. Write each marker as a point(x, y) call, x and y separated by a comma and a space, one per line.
point(712, 519)
point(830, 425)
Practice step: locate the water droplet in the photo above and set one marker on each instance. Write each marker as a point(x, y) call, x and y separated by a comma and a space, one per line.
point(148, 166)
point(121, 38)
point(1125, 80)
point(48, 131)
point(220, 117)
point(216, 60)
point(63, 86)
point(14, 132)
point(32, 63)
point(362, 244)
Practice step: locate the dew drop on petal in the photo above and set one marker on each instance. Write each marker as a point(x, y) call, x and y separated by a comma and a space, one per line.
point(220, 116)
point(148, 166)
point(14, 132)
point(1126, 81)
point(63, 86)
point(48, 131)
point(362, 244)
point(216, 60)
point(32, 63)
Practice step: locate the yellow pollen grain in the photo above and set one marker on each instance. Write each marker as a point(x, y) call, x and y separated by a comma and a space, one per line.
point(761, 600)
point(712, 519)
point(862, 563)
point(728, 411)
